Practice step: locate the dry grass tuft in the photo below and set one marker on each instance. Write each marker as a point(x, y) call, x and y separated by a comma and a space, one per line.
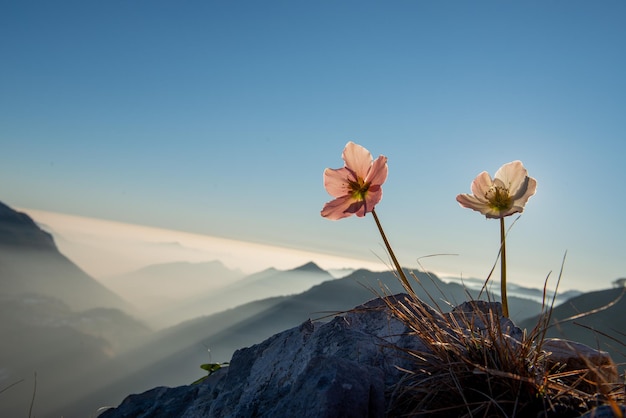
point(479, 364)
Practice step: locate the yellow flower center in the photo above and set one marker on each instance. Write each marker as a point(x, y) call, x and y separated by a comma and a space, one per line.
point(499, 198)
point(358, 188)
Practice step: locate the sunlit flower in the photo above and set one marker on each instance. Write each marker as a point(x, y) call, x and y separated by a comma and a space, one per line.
point(505, 195)
point(356, 187)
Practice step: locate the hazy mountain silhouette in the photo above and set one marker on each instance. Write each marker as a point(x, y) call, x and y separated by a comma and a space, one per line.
point(605, 329)
point(273, 282)
point(160, 290)
point(173, 356)
point(516, 290)
point(265, 284)
point(31, 263)
point(55, 320)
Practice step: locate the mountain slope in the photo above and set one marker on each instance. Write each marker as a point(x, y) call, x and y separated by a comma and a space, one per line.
point(31, 263)
point(167, 287)
point(265, 284)
point(604, 329)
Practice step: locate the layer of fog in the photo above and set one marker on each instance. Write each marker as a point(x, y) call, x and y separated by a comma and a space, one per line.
point(105, 248)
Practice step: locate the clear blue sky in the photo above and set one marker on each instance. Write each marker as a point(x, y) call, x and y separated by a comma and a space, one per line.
point(219, 117)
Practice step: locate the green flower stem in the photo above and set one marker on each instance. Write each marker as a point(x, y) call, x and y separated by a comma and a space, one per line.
point(505, 303)
point(403, 278)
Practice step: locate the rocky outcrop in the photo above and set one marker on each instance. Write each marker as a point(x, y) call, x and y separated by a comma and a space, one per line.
point(347, 367)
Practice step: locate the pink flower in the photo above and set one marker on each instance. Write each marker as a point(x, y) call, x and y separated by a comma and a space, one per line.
point(357, 186)
point(505, 195)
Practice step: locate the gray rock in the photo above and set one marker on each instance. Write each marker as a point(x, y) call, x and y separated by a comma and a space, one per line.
point(605, 411)
point(341, 368)
point(571, 356)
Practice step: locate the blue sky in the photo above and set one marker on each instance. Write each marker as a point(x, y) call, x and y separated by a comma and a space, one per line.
point(219, 118)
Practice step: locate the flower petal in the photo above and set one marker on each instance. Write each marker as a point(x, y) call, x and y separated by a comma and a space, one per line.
point(373, 196)
point(513, 175)
point(377, 173)
point(336, 181)
point(496, 214)
point(472, 202)
point(529, 189)
point(358, 208)
point(481, 185)
point(357, 159)
point(339, 208)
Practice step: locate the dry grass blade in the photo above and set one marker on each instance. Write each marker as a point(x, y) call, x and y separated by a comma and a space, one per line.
point(476, 363)
point(11, 385)
point(32, 401)
point(593, 311)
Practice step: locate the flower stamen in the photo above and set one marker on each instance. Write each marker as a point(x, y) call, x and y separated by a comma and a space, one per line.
point(499, 198)
point(358, 188)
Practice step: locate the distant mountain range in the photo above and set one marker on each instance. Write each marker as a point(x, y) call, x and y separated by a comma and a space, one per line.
point(516, 290)
point(161, 294)
point(265, 284)
point(59, 322)
point(169, 293)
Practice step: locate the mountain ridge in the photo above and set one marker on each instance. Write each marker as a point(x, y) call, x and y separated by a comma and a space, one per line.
point(158, 289)
point(31, 263)
point(256, 286)
point(600, 322)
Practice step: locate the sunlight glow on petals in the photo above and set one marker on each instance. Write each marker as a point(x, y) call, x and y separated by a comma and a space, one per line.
point(334, 181)
point(504, 195)
point(357, 186)
point(357, 159)
point(374, 195)
point(472, 202)
point(338, 208)
point(530, 189)
point(512, 174)
point(378, 173)
point(469, 201)
point(481, 185)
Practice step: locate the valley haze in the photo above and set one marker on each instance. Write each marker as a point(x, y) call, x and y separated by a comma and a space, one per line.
point(168, 276)
point(106, 248)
